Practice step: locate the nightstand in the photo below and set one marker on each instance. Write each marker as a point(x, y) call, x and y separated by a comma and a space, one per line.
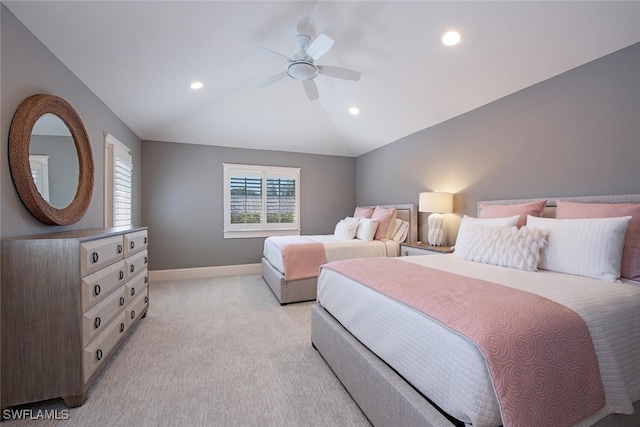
point(409, 249)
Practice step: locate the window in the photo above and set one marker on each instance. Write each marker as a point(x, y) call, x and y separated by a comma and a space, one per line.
point(118, 183)
point(40, 174)
point(261, 201)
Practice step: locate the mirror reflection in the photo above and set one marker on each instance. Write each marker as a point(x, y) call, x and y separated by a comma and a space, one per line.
point(54, 161)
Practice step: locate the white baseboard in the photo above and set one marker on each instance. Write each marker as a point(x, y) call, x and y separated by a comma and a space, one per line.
point(201, 272)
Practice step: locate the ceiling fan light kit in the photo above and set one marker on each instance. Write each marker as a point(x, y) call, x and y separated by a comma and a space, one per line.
point(301, 66)
point(302, 70)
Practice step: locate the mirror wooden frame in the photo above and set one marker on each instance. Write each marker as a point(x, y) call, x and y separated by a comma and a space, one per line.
point(22, 124)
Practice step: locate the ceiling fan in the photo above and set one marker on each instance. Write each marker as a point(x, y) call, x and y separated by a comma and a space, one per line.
point(302, 66)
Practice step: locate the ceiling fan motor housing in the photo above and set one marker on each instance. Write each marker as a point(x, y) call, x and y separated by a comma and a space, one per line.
point(302, 67)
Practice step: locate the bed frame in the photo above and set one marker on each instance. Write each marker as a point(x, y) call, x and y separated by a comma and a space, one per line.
point(305, 289)
point(382, 394)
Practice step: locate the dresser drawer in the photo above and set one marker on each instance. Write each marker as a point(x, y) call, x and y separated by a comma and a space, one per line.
point(135, 242)
point(97, 254)
point(409, 251)
point(137, 306)
point(136, 264)
point(99, 284)
point(134, 286)
point(423, 249)
point(96, 319)
point(97, 351)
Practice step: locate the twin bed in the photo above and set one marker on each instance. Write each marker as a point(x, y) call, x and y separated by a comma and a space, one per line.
point(561, 345)
point(289, 285)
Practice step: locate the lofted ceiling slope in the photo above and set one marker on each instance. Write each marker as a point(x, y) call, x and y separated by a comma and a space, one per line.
point(140, 57)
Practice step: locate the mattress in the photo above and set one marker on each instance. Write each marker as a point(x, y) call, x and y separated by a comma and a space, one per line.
point(337, 249)
point(451, 371)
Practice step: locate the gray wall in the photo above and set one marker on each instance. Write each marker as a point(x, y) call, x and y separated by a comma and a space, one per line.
point(28, 68)
point(182, 198)
point(575, 134)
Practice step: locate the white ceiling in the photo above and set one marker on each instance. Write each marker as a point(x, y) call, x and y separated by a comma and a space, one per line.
point(139, 57)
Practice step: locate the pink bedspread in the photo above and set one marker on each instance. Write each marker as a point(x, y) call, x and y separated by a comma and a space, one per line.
point(301, 256)
point(539, 353)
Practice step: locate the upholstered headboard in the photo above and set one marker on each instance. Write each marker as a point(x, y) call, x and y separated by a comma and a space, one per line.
point(550, 209)
point(409, 213)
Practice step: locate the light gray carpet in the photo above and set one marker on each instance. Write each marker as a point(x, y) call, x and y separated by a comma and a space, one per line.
point(215, 352)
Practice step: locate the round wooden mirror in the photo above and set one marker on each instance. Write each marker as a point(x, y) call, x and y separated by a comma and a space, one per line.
point(24, 120)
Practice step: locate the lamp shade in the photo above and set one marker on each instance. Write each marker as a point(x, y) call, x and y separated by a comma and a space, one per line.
point(436, 202)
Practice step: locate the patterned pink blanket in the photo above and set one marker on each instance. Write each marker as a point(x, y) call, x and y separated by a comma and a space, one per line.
point(301, 256)
point(539, 353)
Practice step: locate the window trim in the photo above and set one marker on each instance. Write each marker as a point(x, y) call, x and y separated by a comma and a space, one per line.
point(231, 231)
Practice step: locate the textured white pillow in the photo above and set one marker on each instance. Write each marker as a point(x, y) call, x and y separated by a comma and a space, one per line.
point(400, 231)
point(465, 232)
point(504, 246)
point(590, 247)
point(347, 228)
point(367, 229)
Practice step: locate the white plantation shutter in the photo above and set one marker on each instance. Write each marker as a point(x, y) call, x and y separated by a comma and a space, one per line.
point(122, 187)
point(246, 200)
point(261, 201)
point(281, 200)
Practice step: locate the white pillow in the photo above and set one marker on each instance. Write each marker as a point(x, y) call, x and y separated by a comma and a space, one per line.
point(504, 246)
point(347, 228)
point(400, 231)
point(590, 247)
point(367, 229)
point(466, 230)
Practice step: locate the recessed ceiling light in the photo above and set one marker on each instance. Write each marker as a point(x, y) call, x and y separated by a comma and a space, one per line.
point(451, 38)
point(354, 110)
point(196, 85)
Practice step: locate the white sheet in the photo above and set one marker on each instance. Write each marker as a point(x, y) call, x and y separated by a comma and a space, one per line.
point(451, 371)
point(337, 249)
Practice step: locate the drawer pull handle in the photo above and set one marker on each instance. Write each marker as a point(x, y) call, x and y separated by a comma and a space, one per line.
point(133, 267)
point(406, 253)
point(133, 314)
point(145, 240)
point(99, 354)
point(94, 257)
point(96, 322)
point(96, 290)
point(146, 299)
point(132, 244)
point(121, 301)
point(146, 279)
point(121, 327)
point(120, 275)
point(133, 291)
point(146, 260)
point(119, 249)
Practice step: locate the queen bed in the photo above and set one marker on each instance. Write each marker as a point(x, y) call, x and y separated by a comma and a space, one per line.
point(413, 358)
point(290, 266)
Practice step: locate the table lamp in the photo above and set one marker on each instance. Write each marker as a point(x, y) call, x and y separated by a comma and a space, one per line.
point(437, 203)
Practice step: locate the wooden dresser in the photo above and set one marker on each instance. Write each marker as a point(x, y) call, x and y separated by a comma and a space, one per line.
point(68, 301)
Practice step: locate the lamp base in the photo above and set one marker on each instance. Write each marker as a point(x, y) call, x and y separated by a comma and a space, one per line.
point(436, 233)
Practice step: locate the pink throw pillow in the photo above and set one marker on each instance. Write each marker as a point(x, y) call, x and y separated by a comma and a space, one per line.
point(384, 217)
point(630, 268)
point(522, 209)
point(363, 212)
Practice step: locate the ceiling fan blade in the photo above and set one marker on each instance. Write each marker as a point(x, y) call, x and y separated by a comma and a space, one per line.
point(311, 89)
point(273, 53)
point(272, 79)
point(319, 46)
point(339, 73)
